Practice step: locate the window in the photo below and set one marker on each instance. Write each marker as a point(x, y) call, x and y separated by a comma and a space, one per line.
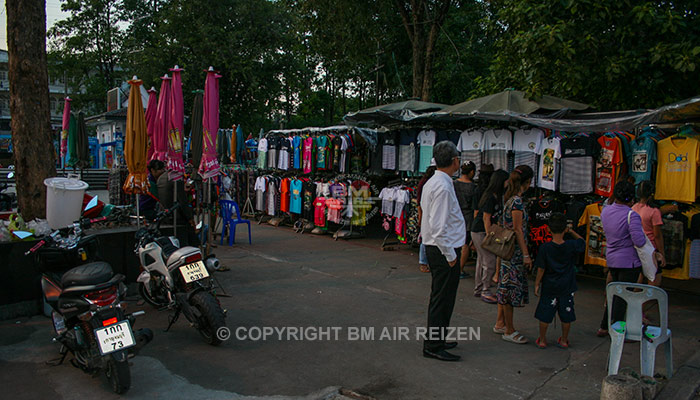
point(3, 75)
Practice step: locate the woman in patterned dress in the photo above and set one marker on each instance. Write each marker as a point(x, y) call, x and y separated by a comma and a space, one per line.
point(513, 286)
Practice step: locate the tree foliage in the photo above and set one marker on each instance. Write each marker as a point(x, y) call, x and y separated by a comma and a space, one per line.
point(621, 54)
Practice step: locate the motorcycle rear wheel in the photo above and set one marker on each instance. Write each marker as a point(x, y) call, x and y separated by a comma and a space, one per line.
point(212, 317)
point(118, 375)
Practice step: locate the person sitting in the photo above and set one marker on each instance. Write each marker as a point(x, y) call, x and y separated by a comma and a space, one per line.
point(148, 202)
point(556, 279)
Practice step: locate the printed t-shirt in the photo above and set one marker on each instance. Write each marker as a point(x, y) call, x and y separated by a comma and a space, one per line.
point(388, 195)
point(677, 175)
point(558, 262)
point(284, 195)
point(337, 142)
point(426, 141)
point(320, 211)
point(651, 217)
point(469, 146)
point(526, 147)
point(262, 153)
point(496, 145)
point(308, 154)
point(296, 145)
point(608, 165)
point(321, 152)
point(360, 202)
point(407, 151)
point(577, 165)
point(551, 153)
point(641, 158)
point(295, 198)
point(595, 236)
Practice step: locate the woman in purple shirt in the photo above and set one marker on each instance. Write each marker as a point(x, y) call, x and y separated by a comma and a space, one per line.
point(622, 237)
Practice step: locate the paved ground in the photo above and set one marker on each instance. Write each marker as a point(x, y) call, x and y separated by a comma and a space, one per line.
point(287, 279)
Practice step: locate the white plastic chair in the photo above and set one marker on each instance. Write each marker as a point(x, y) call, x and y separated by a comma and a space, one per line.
point(632, 328)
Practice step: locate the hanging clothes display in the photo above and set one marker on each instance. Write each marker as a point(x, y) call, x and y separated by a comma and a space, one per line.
point(496, 145)
point(642, 158)
point(407, 150)
point(262, 153)
point(578, 164)
point(677, 176)
point(389, 142)
point(549, 163)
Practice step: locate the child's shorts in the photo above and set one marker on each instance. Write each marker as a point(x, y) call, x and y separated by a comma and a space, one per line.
point(550, 305)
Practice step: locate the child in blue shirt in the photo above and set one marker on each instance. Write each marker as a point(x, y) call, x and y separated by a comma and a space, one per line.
point(556, 274)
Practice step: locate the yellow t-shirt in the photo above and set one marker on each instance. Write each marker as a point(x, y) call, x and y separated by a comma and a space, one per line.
point(677, 173)
point(595, 236)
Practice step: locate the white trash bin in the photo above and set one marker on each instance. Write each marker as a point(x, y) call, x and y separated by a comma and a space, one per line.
point(64, 201)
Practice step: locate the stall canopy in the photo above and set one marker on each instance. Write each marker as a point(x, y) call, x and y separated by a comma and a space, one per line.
point(513, 101)
point(392, 113)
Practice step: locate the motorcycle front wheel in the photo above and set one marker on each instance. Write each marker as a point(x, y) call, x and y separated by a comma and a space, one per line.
point(118, 375)
point(212, 317)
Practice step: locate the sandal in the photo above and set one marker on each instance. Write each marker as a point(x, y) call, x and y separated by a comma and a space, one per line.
point(515, 337)
point(424, 268)
point(563, 345)
point(540, 345)
point(499, 331)
point(491, 299)
point(602, 332)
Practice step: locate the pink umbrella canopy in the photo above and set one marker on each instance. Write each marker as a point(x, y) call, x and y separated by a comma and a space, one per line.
point(162, 123)
point(177, 127)
point(64, 129)
point(209, 166)
point(151, 112)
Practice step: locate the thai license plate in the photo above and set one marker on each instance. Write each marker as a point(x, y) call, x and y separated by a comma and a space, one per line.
point(114, 337)
point(194, 272)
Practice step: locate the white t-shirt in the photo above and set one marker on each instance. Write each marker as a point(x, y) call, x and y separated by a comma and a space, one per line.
point(388, 196)
point(401, 198)
point(470, 141)
point(262, 145)
point(527, 140)
point(549, 163)
point(496, 145)
point(426, 138)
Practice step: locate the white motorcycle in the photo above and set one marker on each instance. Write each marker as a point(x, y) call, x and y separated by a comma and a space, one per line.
point(178, 279)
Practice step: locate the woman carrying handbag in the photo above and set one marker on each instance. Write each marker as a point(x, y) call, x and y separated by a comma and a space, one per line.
point(512, 284)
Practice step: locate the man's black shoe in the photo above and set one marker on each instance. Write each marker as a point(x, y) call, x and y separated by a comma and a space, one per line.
point(450, 345)
point(441, 355)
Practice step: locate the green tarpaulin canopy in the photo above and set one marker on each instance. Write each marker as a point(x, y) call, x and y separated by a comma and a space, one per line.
point(392, 113)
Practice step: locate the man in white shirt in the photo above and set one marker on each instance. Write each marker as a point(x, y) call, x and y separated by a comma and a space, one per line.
point(444, 233)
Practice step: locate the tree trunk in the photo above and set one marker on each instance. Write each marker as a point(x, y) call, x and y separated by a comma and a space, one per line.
point(29, 104)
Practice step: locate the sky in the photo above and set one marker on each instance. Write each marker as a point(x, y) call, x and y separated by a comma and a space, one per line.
point(53, 14)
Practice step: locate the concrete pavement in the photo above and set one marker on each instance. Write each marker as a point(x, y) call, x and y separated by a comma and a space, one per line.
point(286, 279)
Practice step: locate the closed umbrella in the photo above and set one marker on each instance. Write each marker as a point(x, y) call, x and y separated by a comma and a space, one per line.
point(151, 110)
point(209, 166)
point(160, 136)
point(82, 159)
point(64, 129)
point(135, 142)
point(72, 140)
point(177, 127)
point(196, 134)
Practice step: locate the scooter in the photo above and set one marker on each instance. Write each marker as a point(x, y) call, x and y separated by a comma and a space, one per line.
point(178, 279)
point(85, 296)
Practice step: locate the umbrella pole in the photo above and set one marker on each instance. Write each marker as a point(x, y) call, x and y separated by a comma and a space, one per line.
point(175, 213)
point(138, 212)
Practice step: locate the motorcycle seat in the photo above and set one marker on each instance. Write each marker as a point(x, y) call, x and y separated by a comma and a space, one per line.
point(88, 274)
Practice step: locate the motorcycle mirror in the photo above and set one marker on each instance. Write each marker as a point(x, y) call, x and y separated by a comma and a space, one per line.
point(11, 175)
point(22, 234)
point(91, 204)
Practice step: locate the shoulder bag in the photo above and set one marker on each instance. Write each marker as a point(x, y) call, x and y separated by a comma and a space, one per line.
point(646, 255)
point(500, 241)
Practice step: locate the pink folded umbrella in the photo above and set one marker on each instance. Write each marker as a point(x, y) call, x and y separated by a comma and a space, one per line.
point(209, 166)
point(162, 124)
point(151, 111)
point(177, 127)
point(64, 129)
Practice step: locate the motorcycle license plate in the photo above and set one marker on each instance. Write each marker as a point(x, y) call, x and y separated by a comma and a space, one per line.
point(114, 337)
point(194, 272)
